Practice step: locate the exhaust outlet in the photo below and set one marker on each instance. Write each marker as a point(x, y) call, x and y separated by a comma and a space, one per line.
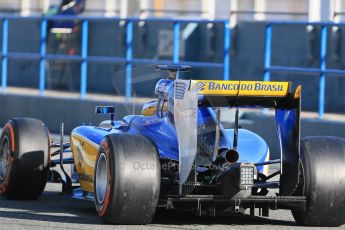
point(231, 156)
point(227, 156)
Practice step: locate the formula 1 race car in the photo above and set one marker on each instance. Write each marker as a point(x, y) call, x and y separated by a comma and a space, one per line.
point(177, 155)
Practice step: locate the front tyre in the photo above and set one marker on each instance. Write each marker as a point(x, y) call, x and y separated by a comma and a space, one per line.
point(24, 158)
point(323, 162)
point(127, 179)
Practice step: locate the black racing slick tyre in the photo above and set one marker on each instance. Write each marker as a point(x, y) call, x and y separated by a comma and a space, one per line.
point(24, 158)
point(323, 162)
point(127, 179)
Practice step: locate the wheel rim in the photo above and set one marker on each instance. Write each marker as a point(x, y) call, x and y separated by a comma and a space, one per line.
point(5, 155)
point(101, 178)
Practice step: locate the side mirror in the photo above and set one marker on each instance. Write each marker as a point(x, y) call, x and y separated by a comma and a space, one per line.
point(106, 110)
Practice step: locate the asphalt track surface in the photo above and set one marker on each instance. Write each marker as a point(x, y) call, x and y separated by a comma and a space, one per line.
point(54, 210)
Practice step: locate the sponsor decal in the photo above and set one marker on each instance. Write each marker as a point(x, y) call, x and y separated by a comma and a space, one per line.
point(201, 86)
point(241, 88)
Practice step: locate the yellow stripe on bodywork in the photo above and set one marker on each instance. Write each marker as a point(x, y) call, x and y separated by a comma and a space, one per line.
point(84, 155)
point(241, 88)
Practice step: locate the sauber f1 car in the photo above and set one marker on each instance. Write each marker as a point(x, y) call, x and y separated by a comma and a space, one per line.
point(177, 155)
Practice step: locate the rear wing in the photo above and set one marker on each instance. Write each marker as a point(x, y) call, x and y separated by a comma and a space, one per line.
point(244, 93)
point(191, 94)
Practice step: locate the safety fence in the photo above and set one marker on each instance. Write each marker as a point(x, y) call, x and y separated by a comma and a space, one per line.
point(322, 72)
point(85, 59)
point(128, 60)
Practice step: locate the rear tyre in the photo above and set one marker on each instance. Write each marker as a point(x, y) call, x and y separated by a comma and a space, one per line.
point(323, 161)
point(24, 158)
point(127, 179)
